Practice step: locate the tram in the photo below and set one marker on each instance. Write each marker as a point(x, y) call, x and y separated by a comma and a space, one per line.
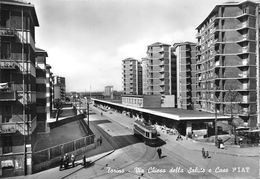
point(145, 131)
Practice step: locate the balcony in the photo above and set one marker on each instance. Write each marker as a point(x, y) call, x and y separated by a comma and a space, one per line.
point(244, 50)
point(8, 128)
point(11, 127)
point(7, 65)
point(7, 92)
point(245, 99)
point(245, 62)
point(243, 75)
point(217, 64)
point(7, 33)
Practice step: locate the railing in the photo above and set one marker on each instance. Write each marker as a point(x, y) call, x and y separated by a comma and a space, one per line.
point(7, 32)
point(57, 151)
point(7, 128)
point(7, 64)
point(7, 92)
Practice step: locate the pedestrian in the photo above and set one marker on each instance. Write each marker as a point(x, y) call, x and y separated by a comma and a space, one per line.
point(159, 151)
point(100, 140)
point(207, 154)
point(84, 161)
point(66, 161)
point(101, 114)
point(72, 158)
point(61, 162)
point(203, 153)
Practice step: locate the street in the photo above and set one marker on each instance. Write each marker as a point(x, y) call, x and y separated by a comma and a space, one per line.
point(122, 155)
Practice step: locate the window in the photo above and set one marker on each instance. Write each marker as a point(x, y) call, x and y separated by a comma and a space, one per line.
point(7, 144)
point(147, 134)
point(244, 10)
point(6, 113)
point(5, 50)
point(4, 17)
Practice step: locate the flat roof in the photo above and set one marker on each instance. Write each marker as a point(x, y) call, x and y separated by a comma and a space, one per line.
point(173, 113)
point(22, 4)
point(231, 3)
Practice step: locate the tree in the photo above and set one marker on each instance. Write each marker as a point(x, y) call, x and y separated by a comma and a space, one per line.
point(58, 105)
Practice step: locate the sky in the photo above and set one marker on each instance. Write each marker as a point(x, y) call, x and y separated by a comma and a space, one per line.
point(86, 40)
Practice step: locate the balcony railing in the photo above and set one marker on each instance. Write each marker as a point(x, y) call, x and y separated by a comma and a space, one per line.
point(12, 127)
point(7, 65)
point(7, 32)
point(7, 92)
point(243, 75)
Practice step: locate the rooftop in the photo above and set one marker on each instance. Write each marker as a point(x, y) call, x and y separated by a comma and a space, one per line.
point(229, 3)
point(173, 113)
point(23, 4)
point(159, 44)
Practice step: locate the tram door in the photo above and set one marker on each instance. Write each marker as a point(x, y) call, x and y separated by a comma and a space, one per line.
point(147, 134)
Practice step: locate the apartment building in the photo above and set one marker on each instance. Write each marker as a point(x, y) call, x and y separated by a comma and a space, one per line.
point(159, 70)
point(59, 88)
point(228, 61)
point(132, 77)
point(18, 118)
point(185, 55)
point(108, 93)
point(41, 88)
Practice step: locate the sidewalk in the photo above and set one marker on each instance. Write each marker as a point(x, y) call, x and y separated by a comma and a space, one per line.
point(197, 146)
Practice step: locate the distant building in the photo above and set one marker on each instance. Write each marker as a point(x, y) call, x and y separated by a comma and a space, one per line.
point(228, 61)
point(185, 55)
point(108, 93)
point(132, 77)
point(59, 86)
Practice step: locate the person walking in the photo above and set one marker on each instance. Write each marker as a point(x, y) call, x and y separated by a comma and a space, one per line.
point(72, 158)
point(84, 161)
point(159, 151)
point(61, 162)
point(100, 140)
point(203, 153)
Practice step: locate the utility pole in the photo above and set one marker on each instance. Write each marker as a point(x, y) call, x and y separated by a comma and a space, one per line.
point(88, 111)
point(24, 122)
point(216, 127)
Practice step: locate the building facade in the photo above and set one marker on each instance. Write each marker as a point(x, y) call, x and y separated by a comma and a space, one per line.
point(159, 70)
point(18, 118)
point(41, 88)
point(132, 77)
point(59, 88)
point(228, 61)
point(185, 55)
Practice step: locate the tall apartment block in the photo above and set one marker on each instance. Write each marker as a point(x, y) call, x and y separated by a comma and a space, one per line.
point(108, 93)
point(185, 55)
point(17, 87)
point(132, 77)
point(59, 88)
point(41, 88)
point(159, 70)
point(228, 61)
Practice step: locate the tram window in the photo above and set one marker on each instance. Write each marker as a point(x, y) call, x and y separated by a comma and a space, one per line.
point(147, 134)
point(154, 135)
